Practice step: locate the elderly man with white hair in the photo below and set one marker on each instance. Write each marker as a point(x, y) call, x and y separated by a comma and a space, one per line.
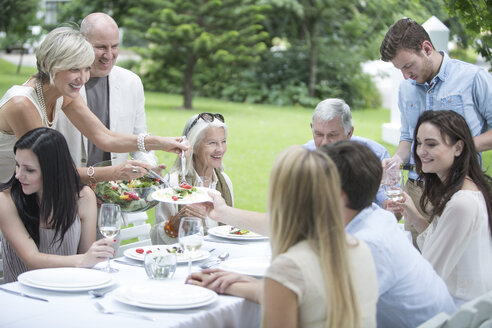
point(332, 122)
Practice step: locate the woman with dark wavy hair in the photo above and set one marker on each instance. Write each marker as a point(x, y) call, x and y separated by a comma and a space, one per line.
point(48, 217)
point(458, 241)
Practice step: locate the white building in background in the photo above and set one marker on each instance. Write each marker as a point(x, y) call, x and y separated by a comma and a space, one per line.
point(387, 79)
point(49, 9)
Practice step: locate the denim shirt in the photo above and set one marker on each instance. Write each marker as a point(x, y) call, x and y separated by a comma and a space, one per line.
point(378, 149)
point(459, 86)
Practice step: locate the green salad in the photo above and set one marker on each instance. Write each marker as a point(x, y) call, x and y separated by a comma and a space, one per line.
point(132, 196)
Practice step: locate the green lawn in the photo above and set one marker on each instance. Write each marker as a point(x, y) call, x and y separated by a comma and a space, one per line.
point(257, 133)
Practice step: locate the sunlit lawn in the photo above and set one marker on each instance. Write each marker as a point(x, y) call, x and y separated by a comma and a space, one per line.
point(257, 133)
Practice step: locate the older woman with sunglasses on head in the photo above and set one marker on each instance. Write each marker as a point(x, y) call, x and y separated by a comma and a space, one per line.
point(207, 135)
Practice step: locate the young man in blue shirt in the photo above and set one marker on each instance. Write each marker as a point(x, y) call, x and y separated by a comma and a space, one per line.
point(433, 81)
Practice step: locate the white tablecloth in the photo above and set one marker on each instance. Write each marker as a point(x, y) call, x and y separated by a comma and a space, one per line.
point(76, 309)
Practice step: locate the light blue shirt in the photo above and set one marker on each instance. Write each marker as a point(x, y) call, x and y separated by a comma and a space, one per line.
point(376, 148)
point(459, 86)
point(410, 291)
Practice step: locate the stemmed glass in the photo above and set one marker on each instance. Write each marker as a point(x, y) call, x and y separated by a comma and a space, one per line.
point(190, 237)
point(110, 221)
point(393, 183)
point(205, 182)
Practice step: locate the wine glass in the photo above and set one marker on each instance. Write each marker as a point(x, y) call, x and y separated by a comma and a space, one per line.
point(393, 183)
point(206, 182)
point(110, 221)
point(190, 237)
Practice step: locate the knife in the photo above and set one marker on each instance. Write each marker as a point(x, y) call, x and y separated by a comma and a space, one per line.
point(22, 294)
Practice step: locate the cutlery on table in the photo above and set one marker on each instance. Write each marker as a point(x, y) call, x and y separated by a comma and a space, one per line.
point(102, 309)
point(210, 263)
point(100, 292)
point(23, 295)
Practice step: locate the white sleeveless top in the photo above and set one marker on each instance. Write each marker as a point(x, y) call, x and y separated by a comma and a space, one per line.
point(7, 141)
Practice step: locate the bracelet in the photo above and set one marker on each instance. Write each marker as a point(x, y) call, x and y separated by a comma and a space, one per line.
point(169, 230)
point(141, 142)
point(90, 174)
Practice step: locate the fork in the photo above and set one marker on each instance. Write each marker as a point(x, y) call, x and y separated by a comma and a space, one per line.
point(183, 161)
point(102, 309)
point(210, 263)
point(100, 292)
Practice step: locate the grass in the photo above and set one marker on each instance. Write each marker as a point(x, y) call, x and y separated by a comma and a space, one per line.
point(257, 133)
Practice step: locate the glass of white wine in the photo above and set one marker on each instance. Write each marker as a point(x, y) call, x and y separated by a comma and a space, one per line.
point(190, 237)
point(110, 221)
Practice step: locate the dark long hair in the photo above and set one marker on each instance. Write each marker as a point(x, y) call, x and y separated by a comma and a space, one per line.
point(61, 184)
point(453, 128)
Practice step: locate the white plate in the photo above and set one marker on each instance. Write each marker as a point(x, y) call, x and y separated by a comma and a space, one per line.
point(199, 196)
point(223, 232)
point(251, 266)
point(66, 279)
point(131, 253)
point(165, 296)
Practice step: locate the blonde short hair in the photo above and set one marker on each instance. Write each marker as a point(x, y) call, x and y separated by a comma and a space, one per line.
point(62, 49)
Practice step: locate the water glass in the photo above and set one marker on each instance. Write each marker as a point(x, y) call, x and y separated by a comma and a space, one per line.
point(160, 264)
point(392, 184)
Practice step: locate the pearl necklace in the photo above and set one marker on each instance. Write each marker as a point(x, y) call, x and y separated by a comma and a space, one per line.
point(39, 93)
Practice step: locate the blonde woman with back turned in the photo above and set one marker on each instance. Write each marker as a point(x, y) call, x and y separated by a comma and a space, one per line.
point(319, 276)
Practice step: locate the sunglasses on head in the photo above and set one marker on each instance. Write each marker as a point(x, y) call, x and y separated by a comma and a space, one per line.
point(207, 117)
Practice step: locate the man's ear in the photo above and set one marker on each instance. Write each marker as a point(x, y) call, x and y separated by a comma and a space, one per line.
point(351, 132)
point(427, 47)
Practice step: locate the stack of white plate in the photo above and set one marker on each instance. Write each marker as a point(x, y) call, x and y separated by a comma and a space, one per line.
point(165, 296)
point(66, 279)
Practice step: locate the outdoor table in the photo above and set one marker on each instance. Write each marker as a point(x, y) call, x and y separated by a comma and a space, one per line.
point(76, 309)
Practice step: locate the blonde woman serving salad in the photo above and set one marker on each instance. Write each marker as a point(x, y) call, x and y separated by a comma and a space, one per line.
point(319, 276)
point(64, 60)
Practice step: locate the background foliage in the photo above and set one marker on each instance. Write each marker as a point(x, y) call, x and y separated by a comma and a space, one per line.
point(283, 52)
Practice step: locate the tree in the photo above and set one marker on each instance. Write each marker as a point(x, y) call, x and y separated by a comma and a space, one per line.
point(16, 17)
point(185, 34)
point(476, 15)
point(351, 25)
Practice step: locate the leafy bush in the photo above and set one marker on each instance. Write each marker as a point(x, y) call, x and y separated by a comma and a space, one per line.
point(279, 78)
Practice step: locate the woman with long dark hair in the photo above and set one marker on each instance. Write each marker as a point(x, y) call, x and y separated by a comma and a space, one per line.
point(48, 217)
point(458, 241)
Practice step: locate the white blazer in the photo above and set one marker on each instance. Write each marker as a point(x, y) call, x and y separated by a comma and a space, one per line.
point(127, 115)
